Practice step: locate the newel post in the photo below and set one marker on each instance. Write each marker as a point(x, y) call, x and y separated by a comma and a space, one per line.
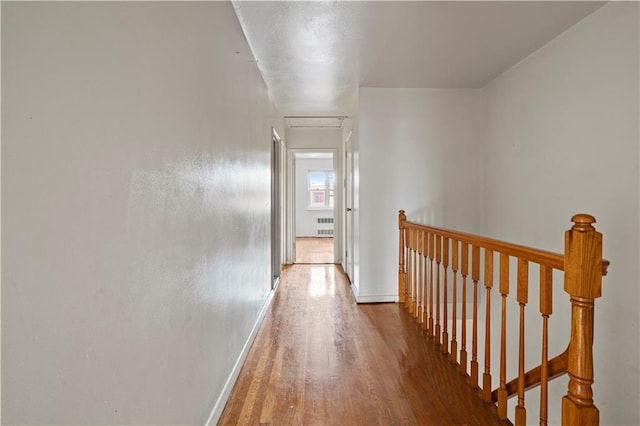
point(583, 282)
point(402, 275)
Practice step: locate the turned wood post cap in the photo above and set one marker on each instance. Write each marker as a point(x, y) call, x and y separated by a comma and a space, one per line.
point(401, 218)
point(583, 222)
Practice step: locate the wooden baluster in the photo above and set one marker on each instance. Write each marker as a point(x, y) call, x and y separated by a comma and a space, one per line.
point(583, 282)
point(546, 294)
point(402, 276)
point(416, 257)
point(475, 276)
point(425, 248)
point(409, 267)
point(417, 273)
point(438, 261)
point(523, 290)
point(432, 243)
point(421, 279)
point(464, 269)
point(413, 269)
point(420, 292)
point(454, 315)
point(445, 265)
point(504, 292)
point(407, 301)
point(414, 263)
point(488, 284)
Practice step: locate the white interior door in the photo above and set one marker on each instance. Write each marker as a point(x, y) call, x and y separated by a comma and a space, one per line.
point(348, 222)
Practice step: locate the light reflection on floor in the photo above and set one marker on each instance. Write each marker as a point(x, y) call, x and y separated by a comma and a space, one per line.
point(322, 281)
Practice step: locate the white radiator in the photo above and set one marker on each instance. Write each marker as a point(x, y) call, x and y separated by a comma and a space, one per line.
point(325, 226)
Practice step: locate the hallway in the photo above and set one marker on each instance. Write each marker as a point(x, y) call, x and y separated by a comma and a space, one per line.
point(148, 175)
point(319, 358)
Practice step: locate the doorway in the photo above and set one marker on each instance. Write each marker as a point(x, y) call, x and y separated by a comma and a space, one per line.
point(315, 204)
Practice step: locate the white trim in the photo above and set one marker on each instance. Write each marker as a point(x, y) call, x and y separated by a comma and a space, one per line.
point(275, 134)
point(276, 283)
point(338, 199)
point(282, 160)
point(290, 209)
point(354, 290)
point(379, 298)
point(218, 407)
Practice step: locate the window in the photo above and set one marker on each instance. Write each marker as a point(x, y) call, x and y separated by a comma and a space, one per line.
point(321, 189)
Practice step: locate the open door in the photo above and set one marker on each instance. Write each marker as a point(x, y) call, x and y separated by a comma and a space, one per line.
point(276, 208)
point(348, 222)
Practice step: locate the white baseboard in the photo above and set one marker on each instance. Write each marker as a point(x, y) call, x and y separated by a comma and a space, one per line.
point(218, 407)
point(354, 290)
point(378, 298)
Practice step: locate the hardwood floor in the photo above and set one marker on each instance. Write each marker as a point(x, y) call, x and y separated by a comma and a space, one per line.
point(321, 359)
point(314, 250)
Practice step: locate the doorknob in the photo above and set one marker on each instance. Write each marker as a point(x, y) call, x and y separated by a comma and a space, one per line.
point(348, 209)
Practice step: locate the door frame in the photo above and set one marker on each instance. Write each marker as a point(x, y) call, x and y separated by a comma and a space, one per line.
point(278, 152)
point(338, 216)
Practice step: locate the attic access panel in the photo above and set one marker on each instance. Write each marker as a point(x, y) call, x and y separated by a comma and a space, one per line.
point(333, 122)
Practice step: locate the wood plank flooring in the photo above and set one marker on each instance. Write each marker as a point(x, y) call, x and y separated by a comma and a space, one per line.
point(321, 359)
point(314, 250)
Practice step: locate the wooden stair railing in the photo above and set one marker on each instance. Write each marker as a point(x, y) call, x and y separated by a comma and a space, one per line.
point(428, 256)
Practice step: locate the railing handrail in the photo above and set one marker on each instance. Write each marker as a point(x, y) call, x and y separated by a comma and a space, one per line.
point(542, 257)
point(547, 258)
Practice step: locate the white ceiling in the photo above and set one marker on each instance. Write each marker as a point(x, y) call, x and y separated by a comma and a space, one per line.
point(315, 55)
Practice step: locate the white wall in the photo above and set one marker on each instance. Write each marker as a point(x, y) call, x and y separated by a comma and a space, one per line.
point(309, 138)
point(135, 193)
point(418, 151)
point(307, 219)
point(562, 137)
